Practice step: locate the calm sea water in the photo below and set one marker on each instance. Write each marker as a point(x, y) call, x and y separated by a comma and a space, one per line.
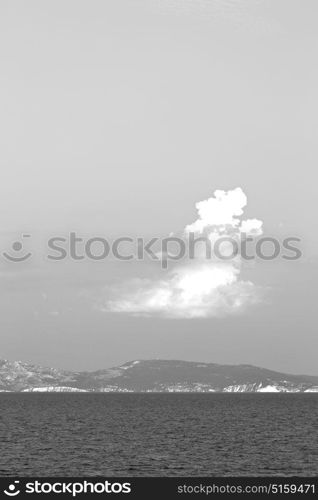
point(158, 434)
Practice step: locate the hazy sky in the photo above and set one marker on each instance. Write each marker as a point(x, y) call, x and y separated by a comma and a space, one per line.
point(117, 117)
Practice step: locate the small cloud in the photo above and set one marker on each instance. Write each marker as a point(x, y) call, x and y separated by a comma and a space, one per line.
point(252, 226)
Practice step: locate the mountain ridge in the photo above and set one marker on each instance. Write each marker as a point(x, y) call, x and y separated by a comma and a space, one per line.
point(154, 375)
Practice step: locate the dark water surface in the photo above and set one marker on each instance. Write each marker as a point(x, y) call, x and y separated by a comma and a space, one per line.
point(158, 434)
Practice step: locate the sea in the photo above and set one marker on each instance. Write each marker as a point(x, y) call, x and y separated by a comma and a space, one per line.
point(148, 434)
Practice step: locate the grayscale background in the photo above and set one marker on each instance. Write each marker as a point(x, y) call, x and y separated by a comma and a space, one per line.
point(118, 116)
point(143, 119)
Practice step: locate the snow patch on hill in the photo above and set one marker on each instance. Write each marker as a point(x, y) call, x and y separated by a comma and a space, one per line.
point(54, 389)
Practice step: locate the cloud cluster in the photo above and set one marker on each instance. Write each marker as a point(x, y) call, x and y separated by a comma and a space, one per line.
point(199, 288)
point(222, 211)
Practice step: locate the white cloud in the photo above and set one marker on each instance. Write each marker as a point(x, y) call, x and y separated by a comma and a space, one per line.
point(251, 226)
point(199, 287)
point(220, 210)
point(188, 293)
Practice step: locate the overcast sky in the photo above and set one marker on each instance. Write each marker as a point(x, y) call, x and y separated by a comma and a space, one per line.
point(116, 118)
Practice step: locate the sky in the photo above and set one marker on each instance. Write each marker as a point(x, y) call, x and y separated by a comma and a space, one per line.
point(116, 119)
